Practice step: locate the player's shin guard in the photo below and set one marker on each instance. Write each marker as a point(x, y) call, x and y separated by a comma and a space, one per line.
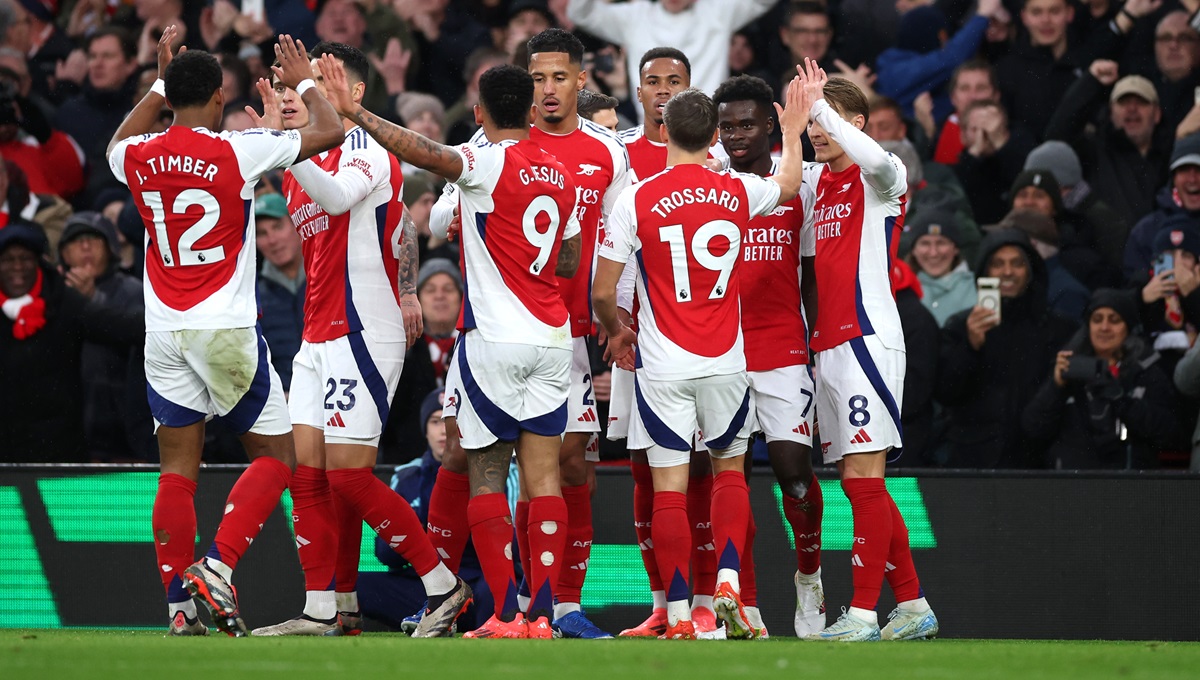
point(901, 572)
point(388, 514)
point(250, 503)
point(872, 538)
point(731, 518)
point(547, 539)
point(749, 576)
point(491, 533)
point(672, 549)
point(448, 526)
point(349, 529)
point(315, 527)
point(521, 523)
point(579, 543)
point(643, 512)
point(704, 555)
point(804, 515)
point(174, 524)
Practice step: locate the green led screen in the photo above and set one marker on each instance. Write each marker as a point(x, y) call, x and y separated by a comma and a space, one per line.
point(837, 523)
point(26, 600)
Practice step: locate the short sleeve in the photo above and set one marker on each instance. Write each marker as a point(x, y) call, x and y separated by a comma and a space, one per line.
point(572, 227)
point(261, 150)
point(763, 193)
point(479, 164)
point(116, 159)
point(808, 232)
point(621, 229)
point(622, 176)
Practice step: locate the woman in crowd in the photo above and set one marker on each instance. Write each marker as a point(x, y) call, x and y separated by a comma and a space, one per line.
point(946, 281)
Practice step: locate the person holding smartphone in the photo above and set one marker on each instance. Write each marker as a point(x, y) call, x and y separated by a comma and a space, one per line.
point(993, 364)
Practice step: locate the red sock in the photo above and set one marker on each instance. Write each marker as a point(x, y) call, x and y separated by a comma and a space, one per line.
point(672, 542)
point(704, 555)
point(804, 514)
point(250, 502)
point(390, 515)
point(448, 526)
point(579, 543)
point(643, 511)
point(349, 544)
point(901, 572)
point(748, 576)
point(731, 518)
point(491, 533)
point(872, 538)
point(315, 525)
point(522, 525)
point(547, 539)
point(174, 523)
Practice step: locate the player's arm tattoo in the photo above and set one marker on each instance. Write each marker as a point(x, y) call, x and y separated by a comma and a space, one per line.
point(568, 257)
point(488, 468)
point(408, 255)
point(410, 146)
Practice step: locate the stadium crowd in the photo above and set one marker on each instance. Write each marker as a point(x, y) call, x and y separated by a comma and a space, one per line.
point(1050, 144)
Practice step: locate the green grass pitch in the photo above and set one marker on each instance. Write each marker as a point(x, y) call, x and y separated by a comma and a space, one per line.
point(141, 655)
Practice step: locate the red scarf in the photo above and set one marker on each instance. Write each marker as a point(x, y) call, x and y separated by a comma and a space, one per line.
point(32, 315)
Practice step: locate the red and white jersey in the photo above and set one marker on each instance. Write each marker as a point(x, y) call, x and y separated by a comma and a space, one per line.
point(772, 324)
point(685, 227)
point(347, 205)
point(194, 189)
point(518, 205)
point(648, 158)
point(857, 224)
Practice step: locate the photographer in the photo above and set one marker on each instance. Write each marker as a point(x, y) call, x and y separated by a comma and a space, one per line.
point(51, 159)
point(1109, 404)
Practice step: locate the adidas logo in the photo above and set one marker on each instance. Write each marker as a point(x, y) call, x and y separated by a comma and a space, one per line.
point(856, 561)
point(589, 416)
point(802, 428)
point(336, 421)
point(861, 437)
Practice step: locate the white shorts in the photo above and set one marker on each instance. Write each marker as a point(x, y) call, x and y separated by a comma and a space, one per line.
point(193, 375)
point(669, 413)
point(581, 401)
point(620, 403)
point(860, 390)
point(783, 404)
point(345, 387)
point(499, 389)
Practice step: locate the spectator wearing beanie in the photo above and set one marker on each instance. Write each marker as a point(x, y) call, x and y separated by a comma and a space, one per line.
point(1109, 230)
point(1180, 198)
point(990, 368)
point(1115, 413)
point(1064, 293)
point(947, 284)
point(420, 194)
point(424, 114)
point(933, 186)
point(1037, 190)
point(1170, 301)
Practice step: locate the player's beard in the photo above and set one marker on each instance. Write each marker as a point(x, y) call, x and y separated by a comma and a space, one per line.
point(555, 117)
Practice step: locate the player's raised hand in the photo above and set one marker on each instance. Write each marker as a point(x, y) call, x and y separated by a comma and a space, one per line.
point(164, 49)
point(793, 116)
point(272, 116)
point(293, 66)
point(813, 79)
point(337, 87)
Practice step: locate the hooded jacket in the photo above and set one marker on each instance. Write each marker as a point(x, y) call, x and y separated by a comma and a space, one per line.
point(985, 391)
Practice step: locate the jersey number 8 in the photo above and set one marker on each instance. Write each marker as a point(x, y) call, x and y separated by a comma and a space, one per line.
point(722, 264)
point(187, 198)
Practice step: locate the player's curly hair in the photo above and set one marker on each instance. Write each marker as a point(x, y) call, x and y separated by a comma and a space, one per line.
point(691, 120)
point(506, 93)
point(191, 79)
point(665, 53)
point(352, 59)
point(557, 40)
point(745, 88)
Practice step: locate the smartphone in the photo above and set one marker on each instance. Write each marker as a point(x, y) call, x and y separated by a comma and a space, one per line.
point(1082, 369)
point(1164, 263)
point(1196, 94)
point(604, 63)
point(988, 289)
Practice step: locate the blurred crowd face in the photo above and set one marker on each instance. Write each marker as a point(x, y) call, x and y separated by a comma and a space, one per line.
point(1176, 46)
point(427, 124)
point(1107, 331)
point(525, 25)
point(1136, 117)
point(886, 125)
point(420, 211)
point(1035, 199)
point(341, 21)
point(440, 301)
point(435, 434)
point(18, 270)
point(807, 35)
point(741, 53)
point(660, 80)
point(935, 254)
point(676, 6)
point(19, 35)
point(1047, 21)
point(21, 68)
point(1186, 182)
point(278, 240)
point(972, 86)
point(108, 69)
point(1011, 265)
point(86, 251)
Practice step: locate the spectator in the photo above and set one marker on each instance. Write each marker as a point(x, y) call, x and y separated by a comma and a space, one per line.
point(281, 283)
point(92, 116)
point(947, 284)
point(526, 18)
point(921, 358)
point(1187, 381)
point(46, 210)
point(420, 194)
point(745, 56)
point(445, 36)
point(1180, 197)
point(699, 28)
point(806, 31)
point(424, 114)
point(923, 59)
point(972, 82)
point(1175, 76)
point(934, 187)
point(1109, 403)
point(52, 161)
point(43, 329)
point(460, 118)
point(992, 366)
point(1127, 155)
point(440, 291)
point(1170, 303)
point(1064, 293)
point(1037, 190)
point(349, 22)
point(32, 33)
point(992, 157)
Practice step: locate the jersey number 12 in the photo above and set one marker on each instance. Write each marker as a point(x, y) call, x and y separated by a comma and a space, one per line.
point(188, 255)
